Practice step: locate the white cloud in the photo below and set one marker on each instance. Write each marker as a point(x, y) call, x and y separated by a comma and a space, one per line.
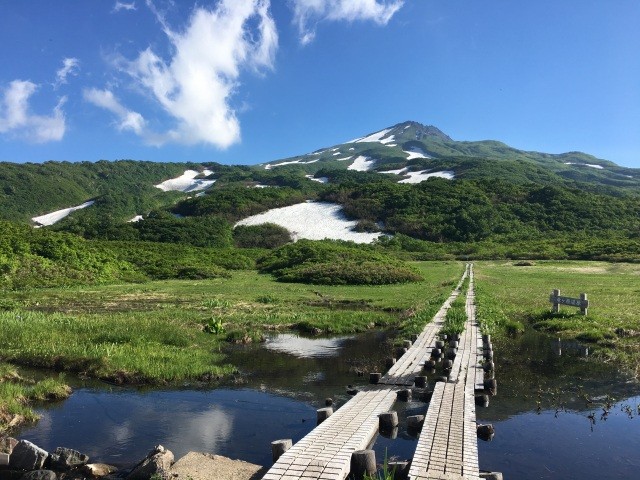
point(127, 119)
point(124, 6)
point(196, 85)
point(307, 13)
point(70, 66)
point(16, 119)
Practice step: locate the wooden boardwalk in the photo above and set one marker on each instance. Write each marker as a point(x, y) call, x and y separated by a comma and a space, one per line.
point(404, 371)
point(325, 453)
point(448, 446)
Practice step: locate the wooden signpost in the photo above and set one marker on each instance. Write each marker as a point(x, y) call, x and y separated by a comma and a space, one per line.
point(582, 303)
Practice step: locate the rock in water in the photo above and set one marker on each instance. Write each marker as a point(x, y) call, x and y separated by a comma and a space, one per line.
point(98, 469)
point(7, 444)
point(69, 458)
point(40, 475)
point(27, 456)
point(157, 462)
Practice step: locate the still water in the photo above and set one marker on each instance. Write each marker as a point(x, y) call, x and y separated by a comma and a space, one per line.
point(558, 413)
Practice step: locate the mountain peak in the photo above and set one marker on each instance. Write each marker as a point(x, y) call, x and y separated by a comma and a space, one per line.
point(419, 131)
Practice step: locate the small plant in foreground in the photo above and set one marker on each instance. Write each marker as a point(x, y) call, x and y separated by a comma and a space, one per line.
point(214, 326)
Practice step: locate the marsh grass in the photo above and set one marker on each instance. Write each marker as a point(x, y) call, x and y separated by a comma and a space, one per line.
point(511, 297)
point(456, 316)
point(155, 332)
point(17, 396)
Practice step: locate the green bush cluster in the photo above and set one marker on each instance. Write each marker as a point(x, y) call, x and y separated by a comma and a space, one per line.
point(335, 263)
point(267, 235)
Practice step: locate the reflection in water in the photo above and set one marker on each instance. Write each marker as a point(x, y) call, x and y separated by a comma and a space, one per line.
point(302, 347)
point(120, 427)
point(541, 414)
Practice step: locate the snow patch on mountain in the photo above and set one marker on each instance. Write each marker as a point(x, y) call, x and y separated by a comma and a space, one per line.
point(269, 166)
point(187, 182)
point(313, 221)
point(415, 152)
point(375, 137)
point(54, 217)
point(421, 176)
point(135, 219)
point(361, 164)
point(319, 179)
point(417, 177)
point(599, 167)
point(400, 171)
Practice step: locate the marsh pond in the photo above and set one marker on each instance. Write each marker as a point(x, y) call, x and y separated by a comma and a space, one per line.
point(558, 412)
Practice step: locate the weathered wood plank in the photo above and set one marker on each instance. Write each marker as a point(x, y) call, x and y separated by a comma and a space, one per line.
point(447, 448)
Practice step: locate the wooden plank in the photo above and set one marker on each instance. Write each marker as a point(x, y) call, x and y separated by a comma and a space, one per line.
point(447, 447)
point(326, 451)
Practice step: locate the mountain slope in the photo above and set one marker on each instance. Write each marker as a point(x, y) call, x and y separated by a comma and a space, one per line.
point(383, 180)
point(412, 146)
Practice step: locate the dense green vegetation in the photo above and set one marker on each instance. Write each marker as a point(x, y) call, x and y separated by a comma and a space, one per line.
point(335, 263)
point(41, 258)
point(121, 189)
point(470, 211)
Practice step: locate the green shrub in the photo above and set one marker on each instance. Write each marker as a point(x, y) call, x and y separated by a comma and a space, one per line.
point(349, 273)
point(335, 263)
point(268, 235)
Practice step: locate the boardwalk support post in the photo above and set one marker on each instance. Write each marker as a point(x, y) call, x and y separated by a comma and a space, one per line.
point(414, 422)
point(404, 395)
point(388, 420)
point(420, 381)
point(485, 432)
point(278, 447)
point(363, 462)
point(374, 377)
point(430, 365)
point(491, 386)
point(323, 414)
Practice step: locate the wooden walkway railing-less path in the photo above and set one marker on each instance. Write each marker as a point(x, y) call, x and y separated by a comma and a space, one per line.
point(448, 448)
point(325, 452)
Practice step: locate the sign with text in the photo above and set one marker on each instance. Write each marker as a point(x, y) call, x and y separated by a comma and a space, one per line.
point(582, 303)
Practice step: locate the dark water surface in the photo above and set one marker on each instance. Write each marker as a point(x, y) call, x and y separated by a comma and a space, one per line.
point(558, 413)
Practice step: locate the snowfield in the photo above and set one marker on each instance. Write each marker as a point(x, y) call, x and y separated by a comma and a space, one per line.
point(269, 166)
point(319, 179)
point(135, 219)
point(187, 182)
point(361, 164)
point(417, 177)
point(599, 167)
point(415, 152)
point(53, 217)
point(375, 137)
point(313, 221)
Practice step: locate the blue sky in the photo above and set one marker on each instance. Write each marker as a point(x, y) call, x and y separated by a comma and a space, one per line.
point(248, 81)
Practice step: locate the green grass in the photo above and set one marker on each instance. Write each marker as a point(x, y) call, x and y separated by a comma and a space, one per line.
point(174, 330)
point(510, 297)
point(17, 396)
point(457, 314)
